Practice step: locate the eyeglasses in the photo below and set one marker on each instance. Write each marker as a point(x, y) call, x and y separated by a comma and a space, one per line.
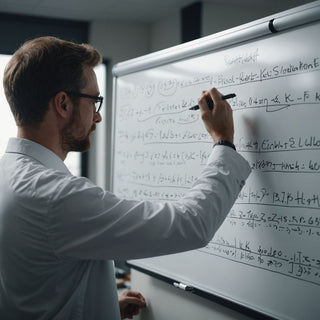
point(98, 102)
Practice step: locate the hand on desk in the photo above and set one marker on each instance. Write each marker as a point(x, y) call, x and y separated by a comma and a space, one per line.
point(130, 303)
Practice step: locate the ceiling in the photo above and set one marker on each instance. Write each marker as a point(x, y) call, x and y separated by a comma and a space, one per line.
point(129, 10)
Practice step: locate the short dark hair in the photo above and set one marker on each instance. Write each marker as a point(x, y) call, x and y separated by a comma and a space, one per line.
point(41, 68)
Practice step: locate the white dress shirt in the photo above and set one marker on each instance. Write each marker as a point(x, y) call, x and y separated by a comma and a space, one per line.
point(59, 233)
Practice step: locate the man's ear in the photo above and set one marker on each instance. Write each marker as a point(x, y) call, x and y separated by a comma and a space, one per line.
point(61, 104)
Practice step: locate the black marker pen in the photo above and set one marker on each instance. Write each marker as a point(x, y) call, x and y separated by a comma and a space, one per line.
point(210, 102)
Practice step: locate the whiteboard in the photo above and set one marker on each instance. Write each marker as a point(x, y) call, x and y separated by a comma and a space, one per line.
point(266, 254)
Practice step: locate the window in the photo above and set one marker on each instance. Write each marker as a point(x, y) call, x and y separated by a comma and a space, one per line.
point(8, 127)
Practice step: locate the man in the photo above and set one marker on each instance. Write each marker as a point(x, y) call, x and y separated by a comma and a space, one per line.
point(60, 233)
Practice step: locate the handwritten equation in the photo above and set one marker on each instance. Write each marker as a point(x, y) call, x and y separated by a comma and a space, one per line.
point(295, 264)
point(286, 166)
point(165, 158)
point(299, 223)
point(282, 198)
point(166, 113)
point(158, 179)
point(170, 87)
point(264, 144)
point(162, 135)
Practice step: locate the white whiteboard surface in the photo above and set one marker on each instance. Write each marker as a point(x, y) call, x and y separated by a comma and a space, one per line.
point(266, 254)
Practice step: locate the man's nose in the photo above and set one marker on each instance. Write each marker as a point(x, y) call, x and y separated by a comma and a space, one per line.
point(97, 117)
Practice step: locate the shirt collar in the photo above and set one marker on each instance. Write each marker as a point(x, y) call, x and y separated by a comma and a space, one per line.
point(40, 153)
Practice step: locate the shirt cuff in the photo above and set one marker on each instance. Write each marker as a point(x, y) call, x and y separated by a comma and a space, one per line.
point(220, 152)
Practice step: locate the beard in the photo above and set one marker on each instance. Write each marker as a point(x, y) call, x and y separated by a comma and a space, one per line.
point(70, 142)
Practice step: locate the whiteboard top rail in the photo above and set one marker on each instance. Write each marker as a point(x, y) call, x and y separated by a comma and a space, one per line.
point(275, 23)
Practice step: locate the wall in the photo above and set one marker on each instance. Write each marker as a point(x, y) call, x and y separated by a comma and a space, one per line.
point(219, 17)
point(117, 41)
point(165, 33)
